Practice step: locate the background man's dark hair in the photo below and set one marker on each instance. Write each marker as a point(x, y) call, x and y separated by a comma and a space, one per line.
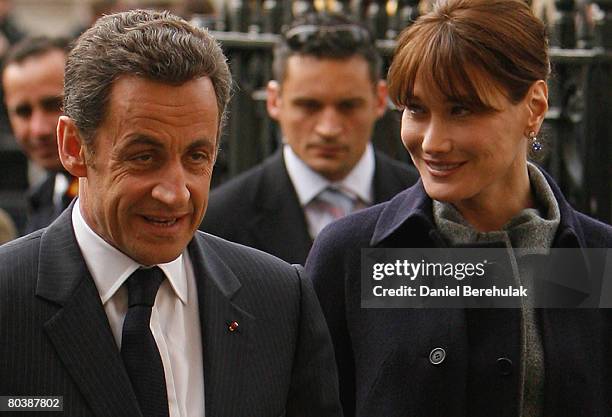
point(326, 35)
point(34, 46)
point(155, 45)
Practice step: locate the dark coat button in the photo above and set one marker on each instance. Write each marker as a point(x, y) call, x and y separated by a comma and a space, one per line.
point(437, 356)
point(504, 365)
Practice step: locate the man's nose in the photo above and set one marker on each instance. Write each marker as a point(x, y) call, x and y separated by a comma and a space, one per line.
point(329, 124)
point(172, 187)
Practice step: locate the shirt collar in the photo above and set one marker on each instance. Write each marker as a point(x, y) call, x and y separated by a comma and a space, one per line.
point(308, 183)
point(110, 267)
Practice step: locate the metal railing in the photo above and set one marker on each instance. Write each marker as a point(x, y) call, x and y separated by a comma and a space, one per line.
point(578, 125)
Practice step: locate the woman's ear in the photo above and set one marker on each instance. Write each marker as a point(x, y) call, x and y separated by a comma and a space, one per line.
point(537, 103)
point(71, 147)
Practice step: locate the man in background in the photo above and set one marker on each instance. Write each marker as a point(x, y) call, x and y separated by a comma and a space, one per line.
point(33, 82)
point(326, 96)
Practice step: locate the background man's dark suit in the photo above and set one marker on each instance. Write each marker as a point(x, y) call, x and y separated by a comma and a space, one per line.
point(55, 338)
point(43, 209)
point(260, 208)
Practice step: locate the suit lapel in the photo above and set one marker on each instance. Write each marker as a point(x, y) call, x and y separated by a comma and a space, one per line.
point(280, 214)
point(80, 331)
point(227, 330)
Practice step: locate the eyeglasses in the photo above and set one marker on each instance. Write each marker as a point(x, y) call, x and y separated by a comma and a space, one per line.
point(350, 35)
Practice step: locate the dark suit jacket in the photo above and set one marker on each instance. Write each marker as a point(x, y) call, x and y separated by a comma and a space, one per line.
point(55, 338)
point(260, 207)
point(383, 354)
point(42, 210)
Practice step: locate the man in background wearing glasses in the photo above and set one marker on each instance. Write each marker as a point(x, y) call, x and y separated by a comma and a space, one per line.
point(326, 97)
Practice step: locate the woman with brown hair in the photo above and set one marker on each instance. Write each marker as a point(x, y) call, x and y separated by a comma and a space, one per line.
point(470, 77)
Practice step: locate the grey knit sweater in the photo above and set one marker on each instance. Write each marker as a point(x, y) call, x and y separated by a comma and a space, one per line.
point(530, 232)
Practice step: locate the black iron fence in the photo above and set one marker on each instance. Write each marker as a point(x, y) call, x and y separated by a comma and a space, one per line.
point(577, 128)
point(578, 125)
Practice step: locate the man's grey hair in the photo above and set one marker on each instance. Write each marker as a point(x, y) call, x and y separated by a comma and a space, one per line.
point(155, 45)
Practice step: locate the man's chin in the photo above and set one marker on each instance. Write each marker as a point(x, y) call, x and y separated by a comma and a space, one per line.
point(330, 171)
point(155, 257)
point(155, 250)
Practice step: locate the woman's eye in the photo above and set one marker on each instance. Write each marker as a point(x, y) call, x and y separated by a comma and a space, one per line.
point(414, 109)
point(459, 110)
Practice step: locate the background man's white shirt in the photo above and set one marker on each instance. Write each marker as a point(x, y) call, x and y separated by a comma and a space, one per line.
point(358, 184)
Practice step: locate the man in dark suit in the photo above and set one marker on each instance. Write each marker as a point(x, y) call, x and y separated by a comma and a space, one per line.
point(33, 83)
point(121, 306)
point(326, 98)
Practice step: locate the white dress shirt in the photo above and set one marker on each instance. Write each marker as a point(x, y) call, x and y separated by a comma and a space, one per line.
point(175, 320)
point(308, 184)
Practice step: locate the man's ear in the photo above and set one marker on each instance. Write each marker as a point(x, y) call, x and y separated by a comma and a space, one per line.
point(71, 147)
point(273, 99)
point(537, 103)
point(381, 98)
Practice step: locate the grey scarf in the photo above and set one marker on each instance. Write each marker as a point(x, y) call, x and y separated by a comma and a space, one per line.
point(530, 232)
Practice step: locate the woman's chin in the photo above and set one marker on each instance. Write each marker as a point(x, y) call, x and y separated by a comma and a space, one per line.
point(443, 192)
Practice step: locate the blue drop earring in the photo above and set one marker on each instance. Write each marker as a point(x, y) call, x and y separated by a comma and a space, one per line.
point(536, 145)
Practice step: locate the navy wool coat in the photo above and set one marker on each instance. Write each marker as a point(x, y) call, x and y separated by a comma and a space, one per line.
point(383, 355)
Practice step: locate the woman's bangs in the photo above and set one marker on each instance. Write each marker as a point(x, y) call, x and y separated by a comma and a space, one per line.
point(446, 64)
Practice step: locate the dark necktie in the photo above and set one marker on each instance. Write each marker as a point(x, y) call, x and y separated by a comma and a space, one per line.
point(138, 348)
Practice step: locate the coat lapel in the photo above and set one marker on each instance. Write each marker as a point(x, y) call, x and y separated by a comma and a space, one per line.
point(227, 330)
point(278, 209)
point(80, 331)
